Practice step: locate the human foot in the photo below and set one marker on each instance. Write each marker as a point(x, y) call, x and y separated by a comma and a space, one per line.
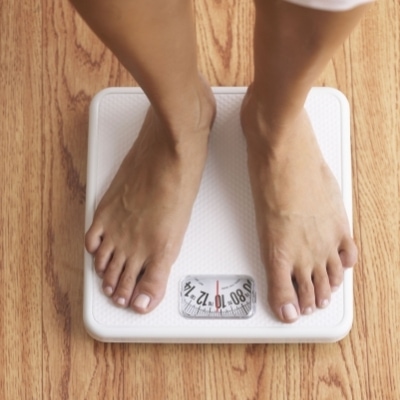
point(304, 234)
point(139, 225)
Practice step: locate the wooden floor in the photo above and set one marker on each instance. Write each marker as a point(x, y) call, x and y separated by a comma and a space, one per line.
point(50, 67)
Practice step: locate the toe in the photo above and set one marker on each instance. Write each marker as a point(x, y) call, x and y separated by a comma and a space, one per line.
point(127, 282)
point(335, 271)
point(282, 296)
point(348, 253)
point(102, 256)
point(305, 290)
point(150, 288)
point(322, 287)
point(93, 238)
point(112, 273)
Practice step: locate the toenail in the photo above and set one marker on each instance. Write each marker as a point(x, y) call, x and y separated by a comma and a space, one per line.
point(289, 312)
point(108, 291)
point(308, 311)
point(142, 301)
point(334, 288)
point(121, 301)
point(324, 303)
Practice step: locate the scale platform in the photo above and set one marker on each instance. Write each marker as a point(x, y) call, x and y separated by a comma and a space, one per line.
point(221, 239)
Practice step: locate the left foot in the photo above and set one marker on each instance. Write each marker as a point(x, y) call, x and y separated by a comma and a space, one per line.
point(304, 234)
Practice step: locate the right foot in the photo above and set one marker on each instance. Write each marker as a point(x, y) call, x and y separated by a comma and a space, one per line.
point(139, 225)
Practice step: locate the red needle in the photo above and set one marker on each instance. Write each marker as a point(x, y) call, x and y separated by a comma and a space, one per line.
point(217, 296)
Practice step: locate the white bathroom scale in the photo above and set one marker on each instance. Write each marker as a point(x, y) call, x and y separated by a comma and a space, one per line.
point(217, 290)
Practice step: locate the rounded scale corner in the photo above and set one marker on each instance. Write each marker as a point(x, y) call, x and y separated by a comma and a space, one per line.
point(334, 92)
point(342, 329)
point(343, 102)
point(101, 333)
point(99, 96)
point(92, 327)
point(96, 330)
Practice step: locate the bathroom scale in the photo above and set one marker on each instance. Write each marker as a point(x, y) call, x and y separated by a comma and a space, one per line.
point(217, 289)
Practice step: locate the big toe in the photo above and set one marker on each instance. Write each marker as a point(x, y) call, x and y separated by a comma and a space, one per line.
point(150, 288)
point(282, 295)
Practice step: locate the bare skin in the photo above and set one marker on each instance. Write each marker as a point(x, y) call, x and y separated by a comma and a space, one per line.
point(303, 229)
point(304, 234)
point(140, 223)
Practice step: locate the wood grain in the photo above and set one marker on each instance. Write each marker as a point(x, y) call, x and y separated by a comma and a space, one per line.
point(20, 194)
point(51, 65)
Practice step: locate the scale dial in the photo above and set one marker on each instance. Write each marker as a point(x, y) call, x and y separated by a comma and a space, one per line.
point(217, 296)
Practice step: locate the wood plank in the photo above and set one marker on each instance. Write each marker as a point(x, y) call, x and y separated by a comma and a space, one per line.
point(225, 37)
point(76, 66)
point(20, 204)
point(164, 371)
point(377, 156)
point(246, 372)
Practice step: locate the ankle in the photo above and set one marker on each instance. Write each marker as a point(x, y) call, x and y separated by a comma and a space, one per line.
point(266, 125)
point(188, 114)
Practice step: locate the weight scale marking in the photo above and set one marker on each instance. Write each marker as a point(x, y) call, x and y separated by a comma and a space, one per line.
point(234, 296)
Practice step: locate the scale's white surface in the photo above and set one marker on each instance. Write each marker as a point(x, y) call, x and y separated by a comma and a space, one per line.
point(221, 238)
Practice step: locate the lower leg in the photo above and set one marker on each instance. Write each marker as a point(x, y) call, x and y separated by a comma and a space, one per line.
point(292, 46)
point(139, 224)
point(156, 42)
point(303, 228)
